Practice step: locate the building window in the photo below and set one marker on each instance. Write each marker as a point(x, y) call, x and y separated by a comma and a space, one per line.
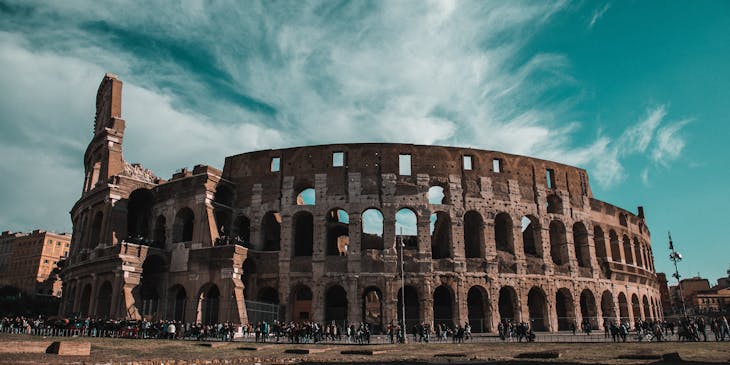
point(404, 165)
point(338, 159)
point(497, 165)
point(467, 162)
point(275, 164)
point(550, 178)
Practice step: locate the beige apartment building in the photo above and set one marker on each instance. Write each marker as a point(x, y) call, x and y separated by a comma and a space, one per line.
point(28, 259)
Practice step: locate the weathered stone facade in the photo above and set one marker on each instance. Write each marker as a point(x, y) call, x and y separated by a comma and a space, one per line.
point(513, 237)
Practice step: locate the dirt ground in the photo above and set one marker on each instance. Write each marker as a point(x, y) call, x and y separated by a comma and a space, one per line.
point(125, 351)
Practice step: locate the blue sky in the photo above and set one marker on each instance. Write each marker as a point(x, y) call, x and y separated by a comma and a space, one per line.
point(633, 91)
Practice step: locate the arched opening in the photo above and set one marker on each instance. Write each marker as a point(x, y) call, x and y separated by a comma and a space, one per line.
point(410, 296)
point(554, 204)
point(271, 231)
point(477, 304)
point(436, 195)
point(338, 232)
point(301, 303)
point(406, 228)
point(638, 253)
point(440, 235)
point(558, 244)
point(635, 307)
point(306, 197)
point(303, 234)
point(473, 235)
point(615, 246)
point(85, 301)
point(335, 305)
point(622, 219)
point(623, 308)
point(269, 295)
point(249, 269)
point(503, 233)
point(628, 252)
point(104, 301)
point(223, 223)
point(580, 241)
point(507, 304)
point(564, 309)
point(153, 273)
point(223, 195)
point(95, 237)
point(607, 306)
point(372, 308)
point(177, 302)
point(647, 311)
point(588, 308)
point(209, 304)
point(443, 306)
point(537, 306)
point(139, 215)
point(160, 234)
point(531, 236)
point(242, 230)
point(371, 236)
point(599, 239)
point(183, 227)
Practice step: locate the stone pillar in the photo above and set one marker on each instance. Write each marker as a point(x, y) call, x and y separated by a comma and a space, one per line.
point(460, 303)
point(354, 301)
point(318, 303)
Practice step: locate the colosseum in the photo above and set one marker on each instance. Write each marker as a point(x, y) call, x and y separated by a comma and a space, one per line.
point(317, 233)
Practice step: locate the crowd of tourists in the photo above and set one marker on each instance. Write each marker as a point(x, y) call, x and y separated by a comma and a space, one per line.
point(689, 329)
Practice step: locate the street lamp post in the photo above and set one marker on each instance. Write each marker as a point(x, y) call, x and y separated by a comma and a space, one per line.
point(403, 287)
point(676, 257)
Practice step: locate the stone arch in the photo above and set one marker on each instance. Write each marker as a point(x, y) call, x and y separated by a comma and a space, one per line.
point(508, 306)
point(647, 311)
point(301, 303)
point(338, 232)
point(443, 306)
point(95, 237)
point(607, 306)
point(531, 241)
point(412, 307)
point(628, 252)
point(306, 196)
point(440, 236)
point(580, 240)
point(209, 304)
point(224, 195)
point(139, 215)
point(268, 294)
point(406, 227)
point(503, 233)
point(615, 246)
point(248, 269)
point(564, 308)
point(554, 204)
point(623, 307)
point(154, 271)
point(183, 226)
point(436, 194)
point(223, 221)
point(85, 301)
point(622, 219)
point(538, 309)
point(335, 305)
point(599, 240)
point(638, 252)
point(303, 234)
point(558, 243)
point(104, 301)
point(371, 234)
point(588, 309)
point(159, 238)
point(473, 235)
point(177, 301)
point(271, 231)
point(635, 307)
point(372, 308)
point(479, 313)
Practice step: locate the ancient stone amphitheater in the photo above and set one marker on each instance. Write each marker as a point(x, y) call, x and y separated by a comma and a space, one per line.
point(316, 233)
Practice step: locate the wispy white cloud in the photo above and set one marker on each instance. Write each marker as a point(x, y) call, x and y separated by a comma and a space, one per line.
point(645, 176)
point(598, 14)
point(669, 143)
